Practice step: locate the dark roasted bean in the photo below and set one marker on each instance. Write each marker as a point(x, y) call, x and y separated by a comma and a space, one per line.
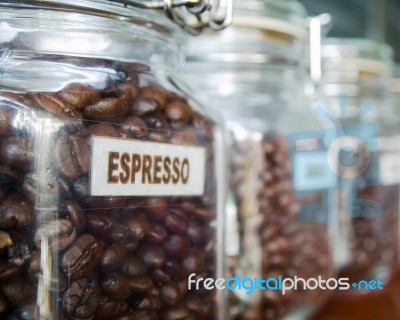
point(157, 234)
point(115, 286)
point(17, 152)
point(170, 294)
point(99, 224)
point(140, 285)
point(178, 113)
point(149, 302)
point(15, 212)
point(78, 95)
point(153, 256)
point(109, 109)
point(109, 308)
point(114, 255)
point(54, 104)
point(9, 177)
point(59, 233)
point(138, 225)
point(82, 256)
point(133, 127)
point(133, 267)
point(16, 290)
point(178, 312)
point(82, 298)
point(177, 247)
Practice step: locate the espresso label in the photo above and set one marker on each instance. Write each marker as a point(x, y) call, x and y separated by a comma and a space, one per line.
point(121, 167)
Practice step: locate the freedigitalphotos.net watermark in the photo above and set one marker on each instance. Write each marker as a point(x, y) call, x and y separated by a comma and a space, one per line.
point(284, 285)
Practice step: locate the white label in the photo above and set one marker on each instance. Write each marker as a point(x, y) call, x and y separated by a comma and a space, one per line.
point(122, 167)
point(390, 168)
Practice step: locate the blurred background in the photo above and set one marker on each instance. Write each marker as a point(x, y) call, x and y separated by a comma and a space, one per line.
point(375, 19)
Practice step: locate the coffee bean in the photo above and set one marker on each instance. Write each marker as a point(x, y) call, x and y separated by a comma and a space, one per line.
point(133, 267)
point(144, 106)
point(55, 105)
point(170, 294)
point(178, 113)
point(109, 109)
point(138, 225)
point(4, 306)
point(82, 256)
point(9, 177)
point(113, 257)
point(142, 284)
point(17, 152)
point(24, 311)
point(109, 308)
point(128, 92)
point(15, 212)
point(177, 246)
point(99, 224)
point(153, 256)
point(78, 95)
point(59, 233)
point(133, 127)
point(101, 129)
point(178, 312)
point(149, 302)
point(75, 214)
point(82, 298)
point(115, 286)
point(156, 234)
point(44, 189)
point(16, 290)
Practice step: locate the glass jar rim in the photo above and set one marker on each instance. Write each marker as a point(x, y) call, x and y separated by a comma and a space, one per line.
point(287, 17)
point(115, 10)
point(366, 54)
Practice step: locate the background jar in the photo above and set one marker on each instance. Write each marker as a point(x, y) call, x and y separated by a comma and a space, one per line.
point(88, 92)
point(277, 219)
point(354, 93)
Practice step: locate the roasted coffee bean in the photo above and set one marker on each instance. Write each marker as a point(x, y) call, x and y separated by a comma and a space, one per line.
point(109, 308)
point(118, 233)
point(170, 294)
point(144, 106)
point(178, 312)
point(143, 315)
point(82, 298)
point(99, 224)
point(16, 290)
point(133, 267)
point(43, 189)
point(72, 156)
point(15, 212)
point(101, 129)
point(175, 224)
point(194, 262)
point(75, 214)
point(138, 225)
point(114, 255)
point(109, 109)
point(156, 208)
point(5, 240)
point(203, 126)
point(160, 276)
point(149, 302)
point(156, 121)
point(156, 93)
point(142, 284)
point(79, 96)
point(55, 105)
point(82, 256)
point(9, 270)
point(17, 152)
point(178, 113)
point(9, 177)
point(59, 233)
point(153, 256)
point(133, 127)
point(115, 286)
point(177, 246)
point(25, 311)
point(157, 234)
point(128, 92)
point(185, 136)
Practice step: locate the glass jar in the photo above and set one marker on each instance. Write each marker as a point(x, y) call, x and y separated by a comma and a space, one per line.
point(280, 189)
point(111, 172)
point(354, 93)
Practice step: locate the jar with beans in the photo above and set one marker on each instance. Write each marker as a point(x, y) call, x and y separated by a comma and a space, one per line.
point(280, 199)
point(111, 178)
point(354, 91)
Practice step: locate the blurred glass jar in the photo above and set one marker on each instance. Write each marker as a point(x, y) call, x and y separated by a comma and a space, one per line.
point(354, 92)
point(280, 199)
point(110, 168)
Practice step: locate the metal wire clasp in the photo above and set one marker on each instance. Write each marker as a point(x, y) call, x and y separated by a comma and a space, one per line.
point(192, 15)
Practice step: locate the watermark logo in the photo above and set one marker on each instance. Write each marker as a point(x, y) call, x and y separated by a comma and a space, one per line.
point(280, 284)
point(342, 157)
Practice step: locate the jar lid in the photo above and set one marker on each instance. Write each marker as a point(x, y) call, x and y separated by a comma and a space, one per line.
point(367, 56)
point(262, 31)
point(215, 14)
point(284, 17)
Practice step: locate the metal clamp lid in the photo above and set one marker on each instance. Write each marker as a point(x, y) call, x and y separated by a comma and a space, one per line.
point(215, 14)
